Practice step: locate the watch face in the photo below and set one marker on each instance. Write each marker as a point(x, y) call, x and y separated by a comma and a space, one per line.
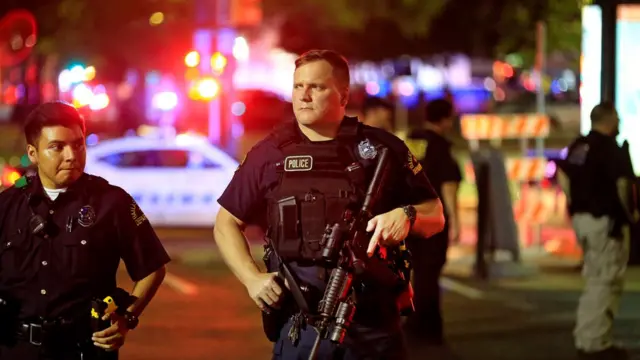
point(132, 322)
point(411, 211)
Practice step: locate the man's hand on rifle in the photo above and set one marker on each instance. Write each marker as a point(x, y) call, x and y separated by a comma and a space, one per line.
point(389, 229)
point(265, 290)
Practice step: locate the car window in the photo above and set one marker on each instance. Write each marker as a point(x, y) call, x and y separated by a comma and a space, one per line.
point(125, 159)
point(160, 159)
point(147, 159)
point(198, 160)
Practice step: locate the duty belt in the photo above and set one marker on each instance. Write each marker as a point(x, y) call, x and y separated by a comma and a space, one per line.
point(37, 333)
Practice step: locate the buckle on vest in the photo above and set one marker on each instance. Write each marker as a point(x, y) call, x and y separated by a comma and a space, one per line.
point(356, 174)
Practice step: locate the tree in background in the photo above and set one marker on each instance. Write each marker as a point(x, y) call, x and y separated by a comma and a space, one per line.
point(361, 29)
point(518, 28)
point(118, 33)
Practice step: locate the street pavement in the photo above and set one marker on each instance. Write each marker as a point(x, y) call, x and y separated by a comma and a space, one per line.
point(202, 312)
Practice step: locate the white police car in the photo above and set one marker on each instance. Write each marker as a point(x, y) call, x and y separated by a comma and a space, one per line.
point(176, 181)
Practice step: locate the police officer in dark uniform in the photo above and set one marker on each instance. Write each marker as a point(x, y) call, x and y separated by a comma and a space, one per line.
point(295, 183)
point(598, 180)
point(62, 235)
point(430, 256)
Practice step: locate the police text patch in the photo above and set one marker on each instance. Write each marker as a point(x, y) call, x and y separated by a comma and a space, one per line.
point(298, 163)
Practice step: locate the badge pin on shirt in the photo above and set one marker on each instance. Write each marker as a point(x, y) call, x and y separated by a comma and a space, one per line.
point(86, 216)
point(366, 150)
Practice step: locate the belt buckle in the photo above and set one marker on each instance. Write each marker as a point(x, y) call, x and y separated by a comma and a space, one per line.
point(35, 334)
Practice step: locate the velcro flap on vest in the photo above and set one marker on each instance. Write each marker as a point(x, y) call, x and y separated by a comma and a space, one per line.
point(313, 219)
point(289, 242)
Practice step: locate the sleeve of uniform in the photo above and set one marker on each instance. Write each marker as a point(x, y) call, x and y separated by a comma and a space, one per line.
point(616, 162)
point(245, 193)
point(441, 166)
point(416, 187)
point(410, 183)
point(140, 248)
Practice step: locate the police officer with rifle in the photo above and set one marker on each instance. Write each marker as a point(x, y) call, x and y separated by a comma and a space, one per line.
point(337, 199)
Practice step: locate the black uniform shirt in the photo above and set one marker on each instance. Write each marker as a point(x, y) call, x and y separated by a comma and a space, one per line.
point(90, 227)
point(246, 195)
point(438, 161)
point(594, 163)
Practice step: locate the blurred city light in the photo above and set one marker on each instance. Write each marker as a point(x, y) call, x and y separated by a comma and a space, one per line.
point(372, 88)
point(92, 139)
point(192, 59)
point(192, 74)
point(241, 49)
point(238, 108)
point(65, 80)
point(99, 101)
point(82, 95)
point(10, 176)
point(550, 169)
point(166, 100)
point(218, 62)
point(489, 84)
point(406, 88)
point(77, 73)
point(89, 73)
point(156, 18)
point(25, 161)
point(207, 88)
point(14, 161)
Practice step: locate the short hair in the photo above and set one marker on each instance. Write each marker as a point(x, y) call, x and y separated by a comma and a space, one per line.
point(339, 64)
point(373, 102)
point(55, 113)
point(438, 110)
point(601, 111)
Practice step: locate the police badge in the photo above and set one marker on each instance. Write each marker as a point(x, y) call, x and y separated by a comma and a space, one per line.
point(366, 150)
point(86, 216)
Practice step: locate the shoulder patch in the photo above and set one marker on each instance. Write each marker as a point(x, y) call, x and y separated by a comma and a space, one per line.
point(413, 164)
point(136, 213)
point(578, 155)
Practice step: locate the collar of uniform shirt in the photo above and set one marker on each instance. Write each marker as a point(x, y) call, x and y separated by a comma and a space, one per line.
point(35, 190)
point(303, 137)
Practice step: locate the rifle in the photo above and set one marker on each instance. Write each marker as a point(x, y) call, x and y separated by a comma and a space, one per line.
point(345, 249)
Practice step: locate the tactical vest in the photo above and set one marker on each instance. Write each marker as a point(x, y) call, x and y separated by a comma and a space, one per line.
point(318, 182)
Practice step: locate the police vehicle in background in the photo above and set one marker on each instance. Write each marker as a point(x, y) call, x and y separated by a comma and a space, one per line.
point(175, 180)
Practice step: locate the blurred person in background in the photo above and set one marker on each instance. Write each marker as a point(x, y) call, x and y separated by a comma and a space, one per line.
point(377, 113)
point(598, 179)
point(430, 256)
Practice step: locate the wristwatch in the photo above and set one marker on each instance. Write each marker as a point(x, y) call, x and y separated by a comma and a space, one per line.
point(131, 321)
point(411, 213)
